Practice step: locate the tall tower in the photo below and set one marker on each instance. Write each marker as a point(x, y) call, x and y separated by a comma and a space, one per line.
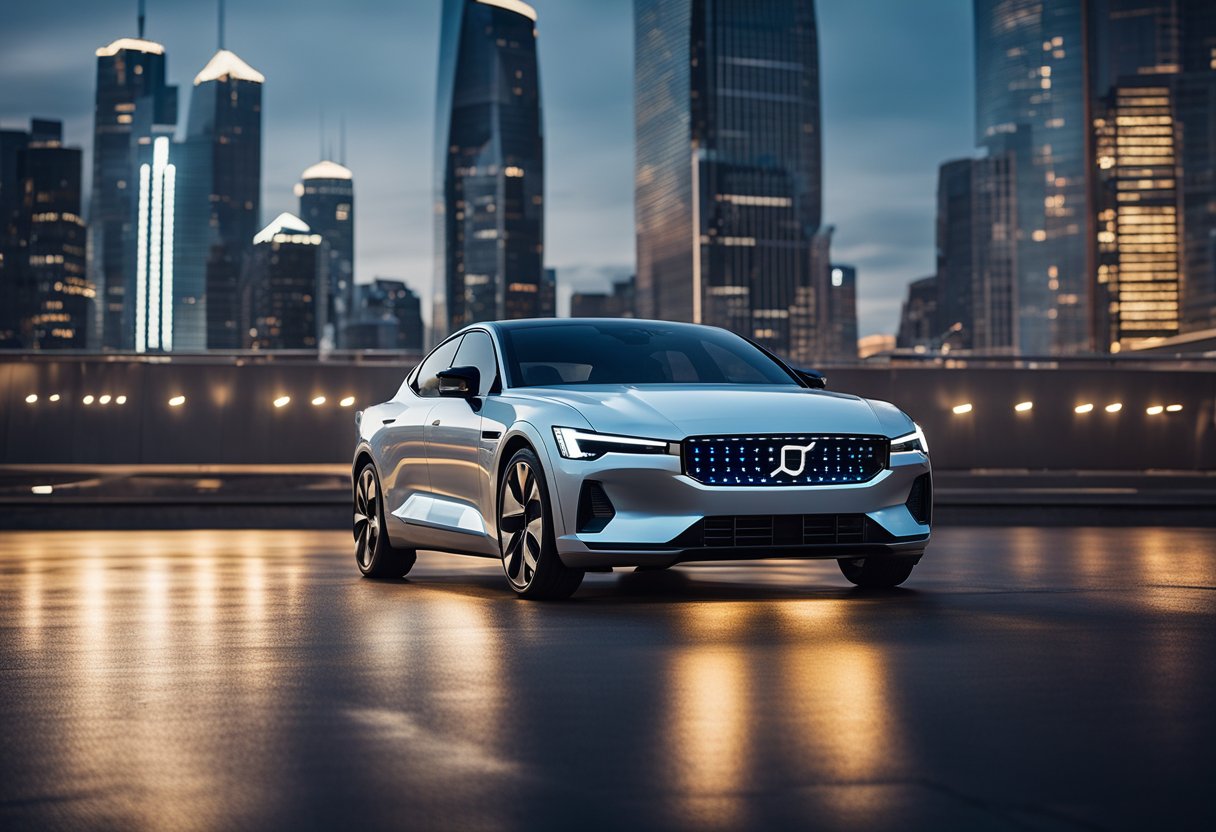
point(225, 131)
point(728, 167)
point(1030, 94)
point(327, 206)
point(133, 102)
point(489, 165)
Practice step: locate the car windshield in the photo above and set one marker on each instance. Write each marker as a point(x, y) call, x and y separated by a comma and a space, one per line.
point(632, 352)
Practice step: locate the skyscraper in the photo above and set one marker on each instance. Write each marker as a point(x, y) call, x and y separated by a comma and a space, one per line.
point(155, 222)
point(977, 294)
point(225, 132)
point(1154, 132)
point(387, 316)
point(281, 285)
point(327, 205)
point(54, 296)
point(728, 167)
point(133, 101)
point(14, 288)
point(840, 320)
point(489, 165)
point(918, 327)
point(1031, 103)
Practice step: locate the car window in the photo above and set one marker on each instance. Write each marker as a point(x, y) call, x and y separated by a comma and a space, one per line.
point(425, 383)
point(477, 350)
point(637, 352)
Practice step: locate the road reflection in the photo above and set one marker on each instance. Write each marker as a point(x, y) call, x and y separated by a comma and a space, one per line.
point(219, 679)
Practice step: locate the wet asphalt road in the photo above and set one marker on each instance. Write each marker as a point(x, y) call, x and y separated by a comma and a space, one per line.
point(1024, 679)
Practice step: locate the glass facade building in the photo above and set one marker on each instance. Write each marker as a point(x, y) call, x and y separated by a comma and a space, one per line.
point(977, 289)
point(55, 295)
point(327, 205)
point(281, 285)
point(489, 165)
point(728, 168)
point(224, 133)
point(1031, 103)
point(133, 101)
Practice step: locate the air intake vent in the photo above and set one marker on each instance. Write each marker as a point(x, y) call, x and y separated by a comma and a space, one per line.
point(594, 508)
point(920, 500)
point(766, 530)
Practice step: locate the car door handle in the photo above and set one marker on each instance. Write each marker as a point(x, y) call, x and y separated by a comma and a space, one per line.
point(387, 421)
point(435, 422)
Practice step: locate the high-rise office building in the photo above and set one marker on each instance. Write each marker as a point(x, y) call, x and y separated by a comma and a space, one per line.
point(387, 316)
point(918, 327)
point(489, 165)
point(133, 103)
point(547, 308)
point(52, 293)
point(224, 134)
point(327, 205)
point(281, 286)
point(976, 281)
point(728, 167)
point(155, 223)
point(840, 319)
point(14, 288)
point(619, 303)
point(1031, 103)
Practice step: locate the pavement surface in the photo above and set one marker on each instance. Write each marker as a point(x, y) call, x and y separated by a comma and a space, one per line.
point(1026, 678)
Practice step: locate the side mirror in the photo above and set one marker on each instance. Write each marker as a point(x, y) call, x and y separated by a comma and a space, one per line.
point(813, 378)
point(459, 382)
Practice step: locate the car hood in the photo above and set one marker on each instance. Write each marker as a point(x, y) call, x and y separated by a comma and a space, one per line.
point(676, 411)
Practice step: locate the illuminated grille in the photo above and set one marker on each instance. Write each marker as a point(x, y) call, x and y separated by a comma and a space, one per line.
point(785, 460)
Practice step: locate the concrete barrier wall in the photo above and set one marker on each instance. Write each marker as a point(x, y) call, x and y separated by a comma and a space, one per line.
point(229, 416)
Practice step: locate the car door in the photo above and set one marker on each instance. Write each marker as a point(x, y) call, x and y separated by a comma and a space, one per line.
point(402, 436)
point(455, 460)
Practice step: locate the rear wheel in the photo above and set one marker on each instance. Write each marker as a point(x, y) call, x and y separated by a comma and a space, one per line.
point(525, 533)
point(877, 573)
point(377, 558)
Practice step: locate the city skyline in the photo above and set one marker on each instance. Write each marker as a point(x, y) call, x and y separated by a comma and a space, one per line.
point(885, 129)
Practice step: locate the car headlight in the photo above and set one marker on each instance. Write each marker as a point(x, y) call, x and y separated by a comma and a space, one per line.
point(584, 444)
point(914, 441)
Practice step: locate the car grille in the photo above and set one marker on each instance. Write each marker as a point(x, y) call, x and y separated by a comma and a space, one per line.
point(745, 531)
point(785, 460)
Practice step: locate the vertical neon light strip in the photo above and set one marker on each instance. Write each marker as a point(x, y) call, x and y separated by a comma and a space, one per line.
point(141, 264)
point(160, 156)
point(166, 295)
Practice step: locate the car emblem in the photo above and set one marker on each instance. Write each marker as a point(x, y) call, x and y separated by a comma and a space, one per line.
point(802, 451)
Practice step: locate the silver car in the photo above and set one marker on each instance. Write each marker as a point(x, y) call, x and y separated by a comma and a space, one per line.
point(565, 446)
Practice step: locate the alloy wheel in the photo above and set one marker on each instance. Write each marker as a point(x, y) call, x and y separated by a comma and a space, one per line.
point(521, 524)
point(367, 518)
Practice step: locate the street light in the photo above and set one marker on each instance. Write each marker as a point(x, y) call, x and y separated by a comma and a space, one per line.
point(960, 409)
point(177, 401)
point(1023, 407)
point(282, 401)
point(1084, 408)
point(1114, 408)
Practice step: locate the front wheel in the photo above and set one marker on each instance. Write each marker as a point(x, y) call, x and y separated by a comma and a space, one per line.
point(877, 573)
point(525, 533)
point(377, 558)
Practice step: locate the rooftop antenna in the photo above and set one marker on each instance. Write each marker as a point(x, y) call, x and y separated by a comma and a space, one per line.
point(221, 24)
point(342, 141)
point(321, 134)
point(141, 19)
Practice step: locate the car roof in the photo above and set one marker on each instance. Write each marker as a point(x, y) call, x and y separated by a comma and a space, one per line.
point(531, 323)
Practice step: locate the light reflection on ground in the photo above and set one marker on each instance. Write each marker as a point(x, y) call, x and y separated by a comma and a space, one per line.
point(1034, 677)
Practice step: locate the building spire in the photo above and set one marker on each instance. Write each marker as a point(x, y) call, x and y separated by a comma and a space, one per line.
point(342, 141)
point(221, 24)
point(141, 19)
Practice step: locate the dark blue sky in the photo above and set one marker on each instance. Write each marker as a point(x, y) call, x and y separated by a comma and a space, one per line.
point(897, 101)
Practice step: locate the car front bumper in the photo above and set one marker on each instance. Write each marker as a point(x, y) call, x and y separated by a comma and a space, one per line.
point(663, 517)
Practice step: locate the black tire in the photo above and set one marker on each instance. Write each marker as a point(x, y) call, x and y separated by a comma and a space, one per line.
point(877, 572)
point(376, 557)
point(530, 560)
